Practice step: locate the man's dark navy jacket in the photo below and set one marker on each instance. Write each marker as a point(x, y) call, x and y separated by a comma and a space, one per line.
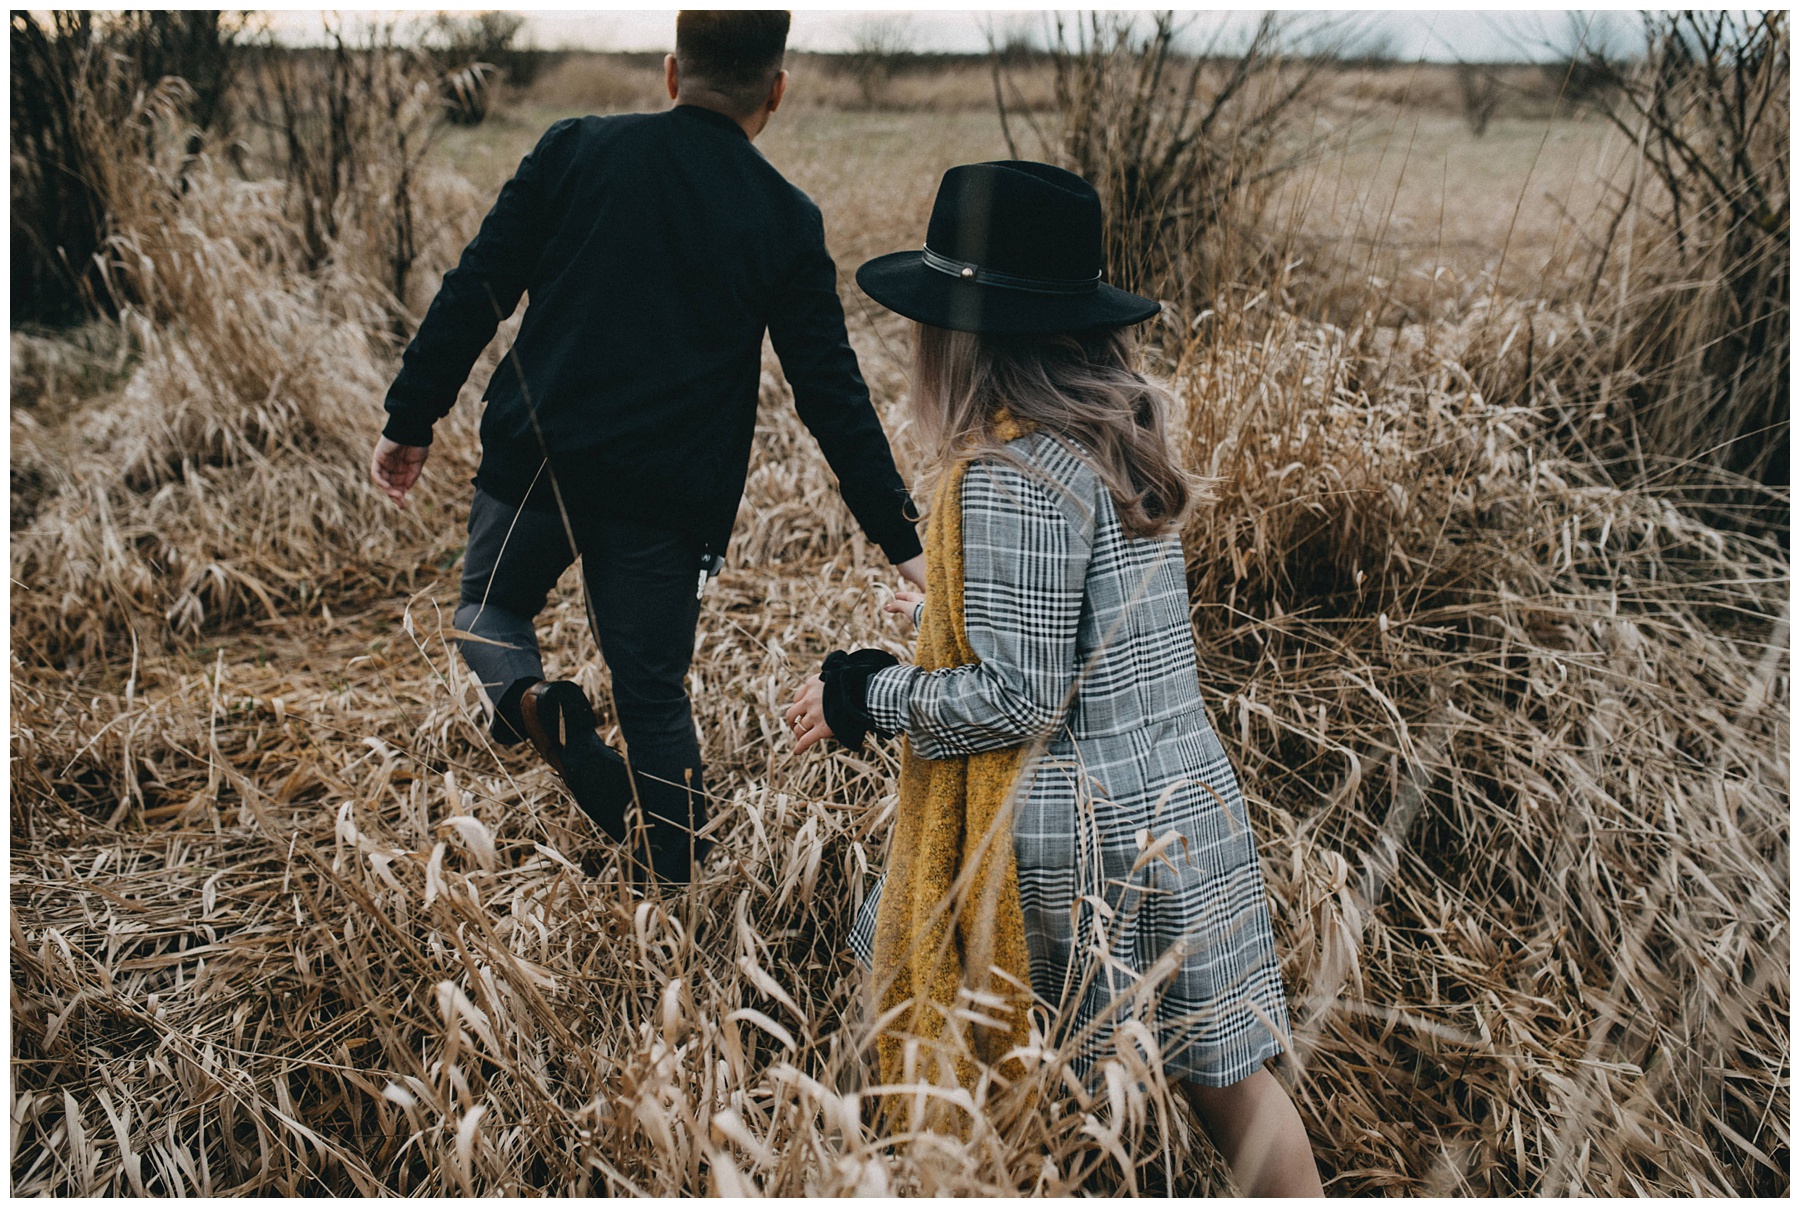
point(656, 249)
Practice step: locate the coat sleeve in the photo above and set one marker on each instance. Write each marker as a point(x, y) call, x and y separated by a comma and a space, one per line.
point(806, 327)
point(1025, 555)
point(477, 295)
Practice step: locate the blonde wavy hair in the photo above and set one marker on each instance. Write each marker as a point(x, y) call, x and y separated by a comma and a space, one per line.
point(1078, 387)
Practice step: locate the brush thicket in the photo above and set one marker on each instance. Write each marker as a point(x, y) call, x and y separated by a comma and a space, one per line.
point(1690, 282)
point(225, 477)
point(1520, 734)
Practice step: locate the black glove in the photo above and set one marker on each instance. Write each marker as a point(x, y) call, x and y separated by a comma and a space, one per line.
point(846, 679)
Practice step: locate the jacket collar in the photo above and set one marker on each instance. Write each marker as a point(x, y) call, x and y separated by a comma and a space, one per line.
point(712, 117)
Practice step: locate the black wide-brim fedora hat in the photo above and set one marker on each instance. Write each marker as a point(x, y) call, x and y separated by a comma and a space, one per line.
point(1013, 248)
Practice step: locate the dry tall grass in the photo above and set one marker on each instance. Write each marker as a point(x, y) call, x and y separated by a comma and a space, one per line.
point(1520, 734)
point(1514, 739)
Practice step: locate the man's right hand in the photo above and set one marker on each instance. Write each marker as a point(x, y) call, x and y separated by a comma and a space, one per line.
point(905, 604)
point(396, 468)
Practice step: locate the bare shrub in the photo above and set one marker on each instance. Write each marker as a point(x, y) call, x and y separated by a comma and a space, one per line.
point(1181, 146)
point(880, 47)
point(348, 127)
point(199, 46)
point(1690, 288)
point(1581, 67)
point(1480, 91)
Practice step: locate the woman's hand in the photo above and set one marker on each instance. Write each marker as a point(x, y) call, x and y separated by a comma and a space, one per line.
point(906, 604)
point(806, 716)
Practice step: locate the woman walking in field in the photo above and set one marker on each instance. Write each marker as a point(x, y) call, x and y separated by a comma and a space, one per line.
point(1061, 789)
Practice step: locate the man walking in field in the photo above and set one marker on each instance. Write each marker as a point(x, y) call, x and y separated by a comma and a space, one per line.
point(656, 249)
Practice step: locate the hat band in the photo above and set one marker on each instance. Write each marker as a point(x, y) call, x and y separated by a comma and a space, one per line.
point(963, 270)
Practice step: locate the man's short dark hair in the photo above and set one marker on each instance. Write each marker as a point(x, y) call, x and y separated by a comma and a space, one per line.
point(732, 53)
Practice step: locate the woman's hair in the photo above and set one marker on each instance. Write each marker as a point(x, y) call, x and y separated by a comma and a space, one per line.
point(1079, 387)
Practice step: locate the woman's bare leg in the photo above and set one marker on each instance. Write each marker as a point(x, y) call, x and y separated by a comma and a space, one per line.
point(1256, 1127)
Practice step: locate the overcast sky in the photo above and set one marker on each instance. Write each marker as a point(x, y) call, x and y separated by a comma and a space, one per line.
point(1410, 34)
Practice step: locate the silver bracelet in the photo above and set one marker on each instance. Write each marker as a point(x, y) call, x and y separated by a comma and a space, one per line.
point(918, 614)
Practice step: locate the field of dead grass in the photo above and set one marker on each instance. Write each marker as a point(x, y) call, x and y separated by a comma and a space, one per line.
point(1514, 740)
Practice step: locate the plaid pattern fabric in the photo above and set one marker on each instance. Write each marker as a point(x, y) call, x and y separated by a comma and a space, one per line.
point(1138, 873)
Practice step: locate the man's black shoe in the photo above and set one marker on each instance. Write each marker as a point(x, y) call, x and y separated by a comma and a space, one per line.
point(597, 775)
point(674, 814)
point(561, 725)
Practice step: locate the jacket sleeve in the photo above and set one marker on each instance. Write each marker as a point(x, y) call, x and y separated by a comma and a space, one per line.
point(806, 327)
point(1025, 557)
point(477, 295)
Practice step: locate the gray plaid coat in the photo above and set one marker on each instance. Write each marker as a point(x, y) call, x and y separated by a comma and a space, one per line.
point(1137, 870)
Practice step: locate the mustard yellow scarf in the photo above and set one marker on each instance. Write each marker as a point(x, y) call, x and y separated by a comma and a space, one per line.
point(950, 916)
